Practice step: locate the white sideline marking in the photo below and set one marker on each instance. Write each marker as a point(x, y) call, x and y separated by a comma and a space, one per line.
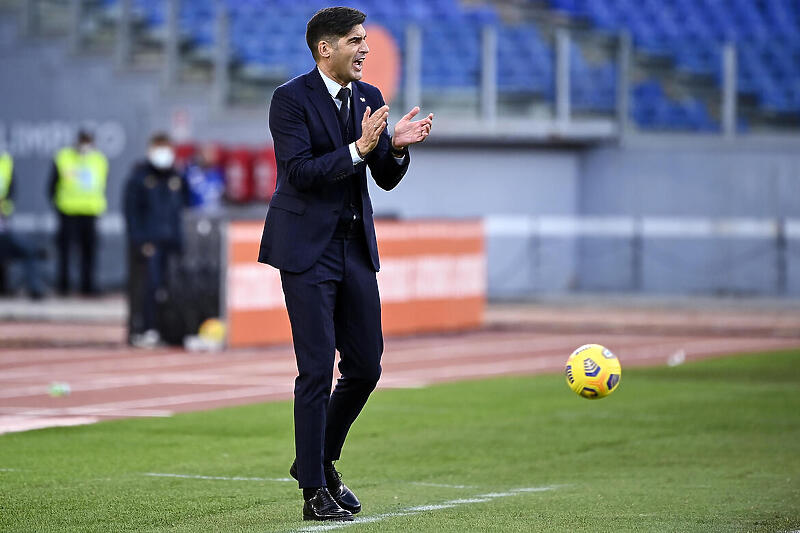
point(424, 508)
point(218, 478)
point(539, 489)
point(443, 485)
point(433, 507)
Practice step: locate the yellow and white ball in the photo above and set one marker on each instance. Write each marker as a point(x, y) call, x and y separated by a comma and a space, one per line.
point(593, 372)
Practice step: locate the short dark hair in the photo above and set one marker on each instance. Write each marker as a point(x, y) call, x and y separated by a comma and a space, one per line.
point(160, 137)
point(331, 22)
point(85, 136)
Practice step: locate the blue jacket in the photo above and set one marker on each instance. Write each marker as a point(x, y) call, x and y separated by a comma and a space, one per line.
point(313, 166)
point(153, 204)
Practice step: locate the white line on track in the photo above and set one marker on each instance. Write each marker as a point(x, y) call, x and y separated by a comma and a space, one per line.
point(157, 362)
point(202, 397)
point(11, 424)
point(111, 381)
point(86, 410)
point(218, 478)
point(424, 508)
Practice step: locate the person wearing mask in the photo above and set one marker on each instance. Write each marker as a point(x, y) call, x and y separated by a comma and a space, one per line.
point(154, 198)
point(78, 193)
point(12, 247)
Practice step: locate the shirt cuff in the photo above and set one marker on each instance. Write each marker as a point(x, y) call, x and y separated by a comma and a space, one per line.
point(354, 154)
point(400, 159)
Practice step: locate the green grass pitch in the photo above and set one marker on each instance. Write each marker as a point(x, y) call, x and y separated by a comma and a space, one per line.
point(706, 446)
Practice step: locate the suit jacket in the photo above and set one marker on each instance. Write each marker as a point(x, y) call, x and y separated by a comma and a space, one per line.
point(314, 165)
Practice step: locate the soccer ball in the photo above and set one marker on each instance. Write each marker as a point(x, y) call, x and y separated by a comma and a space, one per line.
point(593, 371)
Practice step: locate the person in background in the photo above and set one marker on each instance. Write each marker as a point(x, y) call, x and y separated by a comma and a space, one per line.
point(204, 179)
point(78, 192)
point(12, 247)
point(154, 198)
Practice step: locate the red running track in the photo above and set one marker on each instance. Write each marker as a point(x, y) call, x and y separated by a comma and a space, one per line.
point(108, 380)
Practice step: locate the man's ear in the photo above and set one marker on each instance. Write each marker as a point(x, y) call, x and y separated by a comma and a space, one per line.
point(323, 49)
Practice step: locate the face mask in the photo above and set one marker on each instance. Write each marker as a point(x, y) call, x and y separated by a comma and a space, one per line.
point(84, 148)
point(161, 157)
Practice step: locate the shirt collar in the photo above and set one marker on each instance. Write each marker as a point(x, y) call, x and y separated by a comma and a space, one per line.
point(332, 86)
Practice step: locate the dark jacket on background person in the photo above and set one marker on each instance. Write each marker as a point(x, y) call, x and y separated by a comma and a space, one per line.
point(153, 202)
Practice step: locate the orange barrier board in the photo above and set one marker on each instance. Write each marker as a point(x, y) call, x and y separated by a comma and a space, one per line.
point(432, 278)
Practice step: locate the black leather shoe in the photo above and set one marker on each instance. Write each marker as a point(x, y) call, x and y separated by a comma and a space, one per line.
point(345, 497)
point(322, 506)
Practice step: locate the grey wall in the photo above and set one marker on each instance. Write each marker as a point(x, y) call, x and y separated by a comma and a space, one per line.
point(701, 177)
point(479, 182)
point(470, 182)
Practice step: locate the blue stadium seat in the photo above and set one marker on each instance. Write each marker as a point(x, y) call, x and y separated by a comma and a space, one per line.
point(592, 87)
point(652, 109)
point(525, 62)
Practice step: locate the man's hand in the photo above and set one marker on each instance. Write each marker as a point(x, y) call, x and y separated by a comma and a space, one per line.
point(372, 125)
point(407, 132)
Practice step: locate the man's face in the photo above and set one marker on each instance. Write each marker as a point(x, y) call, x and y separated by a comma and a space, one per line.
point(346, 59)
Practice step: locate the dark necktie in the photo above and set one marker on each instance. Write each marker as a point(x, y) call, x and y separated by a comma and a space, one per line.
point(344, 111)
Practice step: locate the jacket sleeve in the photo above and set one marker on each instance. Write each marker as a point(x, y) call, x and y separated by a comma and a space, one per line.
point(132, 210)
point(385, 169)
point(12, 187)
point(292, 140)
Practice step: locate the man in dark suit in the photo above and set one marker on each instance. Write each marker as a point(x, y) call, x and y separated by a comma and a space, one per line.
point(327, 127)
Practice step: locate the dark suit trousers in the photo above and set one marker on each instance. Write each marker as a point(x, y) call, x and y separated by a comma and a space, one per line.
point(332, 306)
point(80, 229)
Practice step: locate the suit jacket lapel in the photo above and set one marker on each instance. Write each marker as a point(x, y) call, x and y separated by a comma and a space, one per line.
point(321, 99)
point(358, 108)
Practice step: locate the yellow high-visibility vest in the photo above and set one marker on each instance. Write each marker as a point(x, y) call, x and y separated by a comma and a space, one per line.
point(81, 186)
point(6, 173)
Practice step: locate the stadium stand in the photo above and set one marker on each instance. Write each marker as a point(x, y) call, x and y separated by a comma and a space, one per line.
point(686, 34)
point(690, 32)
